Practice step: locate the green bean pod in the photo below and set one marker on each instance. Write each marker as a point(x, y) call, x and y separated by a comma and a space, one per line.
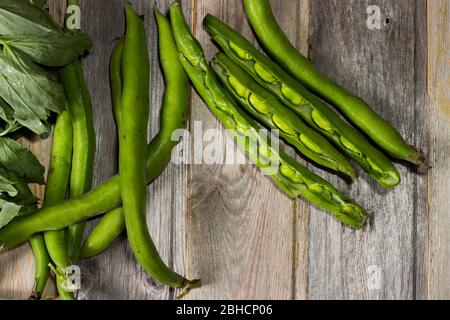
point(265, 107)
point(133, 138)
point(84, 144)
point(355, 109)
point(294, 95)
point(104, 198)
point(290, 175)
point(57, 187)
point(115, 78)
point(173, 117)
point(112, 224)
point(80, 108)
point(41, 269)
point(107, 230)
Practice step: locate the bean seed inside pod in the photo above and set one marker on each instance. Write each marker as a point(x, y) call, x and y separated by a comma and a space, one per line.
point(310, 144)
point(283, 125)
point(374, 166)
point(265, 151)
point(292, 96)
point(265, 74)
point(258, 104)
point(316, 188)
point(240, 89)
point(242, 54)
point(349, 146)
point(241, 128)
point(348, 209)
point(320, 121)
point(290, 173)
point(229, 123)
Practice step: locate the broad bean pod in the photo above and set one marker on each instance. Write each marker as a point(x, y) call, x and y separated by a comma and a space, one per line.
point(41, 262)
point(56, 191)
point(132, 127)
point(174, 116)
point(294, 95)
point(354, 108)
point(84, 144)
point(265, 107)
point(290, 175)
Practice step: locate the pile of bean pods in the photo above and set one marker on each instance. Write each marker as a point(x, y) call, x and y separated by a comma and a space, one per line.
point(239, 86)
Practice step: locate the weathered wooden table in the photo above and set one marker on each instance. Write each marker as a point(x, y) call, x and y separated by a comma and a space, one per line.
point(230, 225)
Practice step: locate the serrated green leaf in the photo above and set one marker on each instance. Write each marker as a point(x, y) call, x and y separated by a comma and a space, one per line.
point(54, 49)
point(21, 17)
point(29, 90)
point(18, 160)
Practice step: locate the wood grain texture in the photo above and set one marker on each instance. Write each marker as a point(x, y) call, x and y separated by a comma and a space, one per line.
point(379, 66)
point(439, 123)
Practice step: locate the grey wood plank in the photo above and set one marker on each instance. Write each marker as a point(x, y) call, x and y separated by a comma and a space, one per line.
point(286, 12)
point(421, 212)
point(239, 227)
point(439, 122)
point(379, 66)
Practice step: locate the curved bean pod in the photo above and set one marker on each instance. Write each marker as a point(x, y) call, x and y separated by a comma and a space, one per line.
point(174, 115)
point(132, 138)
point(265, 107)
point(294, 95)
point(104, 198)
point(41, 269)
point(80, 108)
point(355, 109)
point(111, 225)
point(290, 175)
point(57, 187)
